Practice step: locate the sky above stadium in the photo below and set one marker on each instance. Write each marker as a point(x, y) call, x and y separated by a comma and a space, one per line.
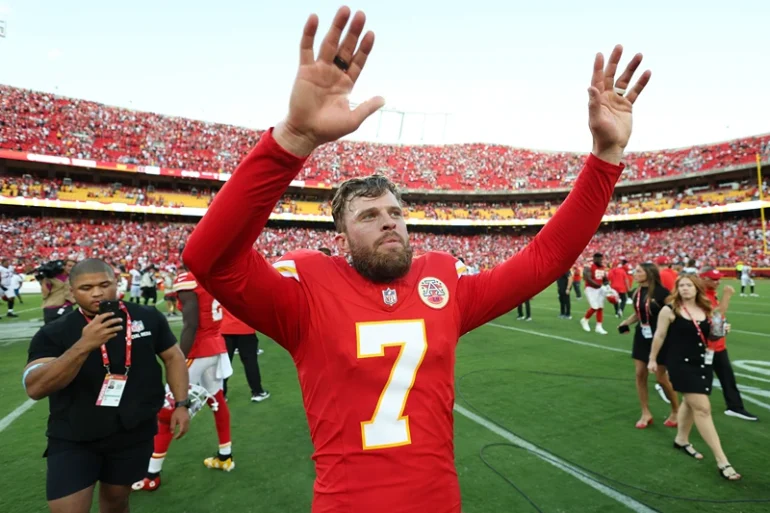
point(509, 72)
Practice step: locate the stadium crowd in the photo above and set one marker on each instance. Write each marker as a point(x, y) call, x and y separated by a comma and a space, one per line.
point(29, 241)
point(43, 123)
point(36, 187)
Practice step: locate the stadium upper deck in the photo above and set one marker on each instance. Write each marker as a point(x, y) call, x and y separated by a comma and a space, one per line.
point(44, 124)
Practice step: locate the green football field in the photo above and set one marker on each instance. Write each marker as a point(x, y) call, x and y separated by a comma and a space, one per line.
point(541, 406)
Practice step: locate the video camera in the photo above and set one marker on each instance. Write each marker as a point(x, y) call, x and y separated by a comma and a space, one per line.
point(49, 270)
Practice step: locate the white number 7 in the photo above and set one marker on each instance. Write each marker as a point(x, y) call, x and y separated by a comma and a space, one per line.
point(388, 426)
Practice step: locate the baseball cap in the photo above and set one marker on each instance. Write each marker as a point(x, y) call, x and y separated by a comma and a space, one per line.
point(713, 274)
point(661, 260)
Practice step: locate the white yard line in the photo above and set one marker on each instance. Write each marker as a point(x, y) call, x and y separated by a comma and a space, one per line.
point(557, 462)
point(746, 390)
point(15, 414)
point(755, 333)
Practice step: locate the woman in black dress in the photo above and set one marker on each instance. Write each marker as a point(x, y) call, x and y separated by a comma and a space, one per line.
point(649, 298)
point(684, 325)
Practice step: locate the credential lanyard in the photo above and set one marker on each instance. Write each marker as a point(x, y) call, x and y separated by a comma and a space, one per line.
point(697, 326)
point(646, 304)
point(105, 356)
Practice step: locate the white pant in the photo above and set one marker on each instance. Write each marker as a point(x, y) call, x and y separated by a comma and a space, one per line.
point(595, 297)
point(746, 281)
point(210, 372)
point(136, 291)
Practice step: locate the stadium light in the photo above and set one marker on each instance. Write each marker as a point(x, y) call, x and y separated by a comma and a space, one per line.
point(2, 28)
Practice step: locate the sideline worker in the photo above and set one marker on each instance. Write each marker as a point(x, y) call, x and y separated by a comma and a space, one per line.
point(105, 388)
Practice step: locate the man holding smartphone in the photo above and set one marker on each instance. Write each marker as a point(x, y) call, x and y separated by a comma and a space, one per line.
point(98, 367)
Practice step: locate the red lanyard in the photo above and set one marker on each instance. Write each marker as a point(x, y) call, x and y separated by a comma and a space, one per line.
point(697, 326)
point(105, 357)
point(646, 304)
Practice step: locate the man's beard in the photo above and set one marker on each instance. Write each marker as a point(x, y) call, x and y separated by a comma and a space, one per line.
point(381, 266)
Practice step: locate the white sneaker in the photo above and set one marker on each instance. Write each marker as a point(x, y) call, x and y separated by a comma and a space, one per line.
point(584, 324)
point(600, 330)
point(260, 351)
point(258, 398)
point(743, 295)
point(754, 295)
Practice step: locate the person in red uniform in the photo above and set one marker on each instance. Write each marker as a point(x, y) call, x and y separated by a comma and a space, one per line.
point(239, 335)
point(208, 365)
point(619, 281)
point(373, 333)
point(595, 278)
point(668, 276)
point(576, 281)
point(722, 366)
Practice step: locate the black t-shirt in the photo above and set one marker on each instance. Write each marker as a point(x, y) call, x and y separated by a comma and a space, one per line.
point(562, 281)
point(657, 302)
point(73, 413)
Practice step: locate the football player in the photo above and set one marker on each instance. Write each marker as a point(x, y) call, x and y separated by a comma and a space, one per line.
point(595, 278)
point(373, 333)
point(208, 366)
point(747, 281)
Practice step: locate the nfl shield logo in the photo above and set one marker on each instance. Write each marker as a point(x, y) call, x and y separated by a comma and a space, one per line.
point(137, 326)
point(389, 296)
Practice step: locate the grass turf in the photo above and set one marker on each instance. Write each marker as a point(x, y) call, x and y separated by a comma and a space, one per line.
point(577, 402)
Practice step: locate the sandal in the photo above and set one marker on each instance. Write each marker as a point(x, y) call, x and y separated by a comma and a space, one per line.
point(689, 450)
point(729, 473)
point(643, 425)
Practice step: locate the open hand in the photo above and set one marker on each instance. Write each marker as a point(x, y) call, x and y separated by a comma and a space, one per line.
point(319, 111)
point(610, 104)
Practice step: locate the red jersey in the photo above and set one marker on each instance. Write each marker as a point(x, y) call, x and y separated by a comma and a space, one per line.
point(618, 279)
point(375, 361)
point(208, 340)
point(715, 345)
point(231, 325)
point(597, 275)
point(668, 278)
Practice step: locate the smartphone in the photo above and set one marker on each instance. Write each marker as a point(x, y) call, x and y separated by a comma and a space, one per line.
point(109, 307)
point(623, 329)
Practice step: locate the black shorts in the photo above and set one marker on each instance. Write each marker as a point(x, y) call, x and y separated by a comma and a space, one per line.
point(74, 466)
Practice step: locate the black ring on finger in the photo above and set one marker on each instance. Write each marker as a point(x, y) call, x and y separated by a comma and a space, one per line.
point(341, 63)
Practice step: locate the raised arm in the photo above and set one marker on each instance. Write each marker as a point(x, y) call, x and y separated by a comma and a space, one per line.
point(490, 294)
point(724, 304)
point(219, 252)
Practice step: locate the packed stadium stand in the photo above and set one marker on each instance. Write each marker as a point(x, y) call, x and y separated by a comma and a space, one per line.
point(42, 123)
point(30, 186)
point(32, 240)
